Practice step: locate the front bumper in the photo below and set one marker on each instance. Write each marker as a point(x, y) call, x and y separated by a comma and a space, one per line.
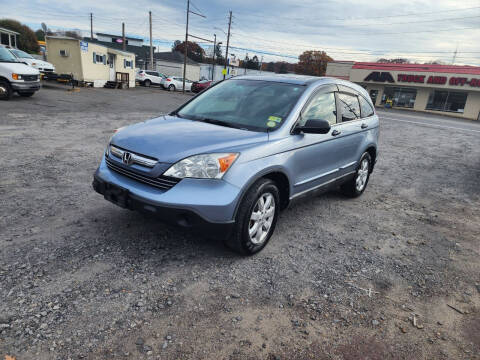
point(201, 203)
point(26, 86)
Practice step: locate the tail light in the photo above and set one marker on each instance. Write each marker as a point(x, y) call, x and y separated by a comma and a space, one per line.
point(169, 79)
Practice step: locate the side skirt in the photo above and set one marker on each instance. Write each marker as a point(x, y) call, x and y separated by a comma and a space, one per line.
point(323, 188)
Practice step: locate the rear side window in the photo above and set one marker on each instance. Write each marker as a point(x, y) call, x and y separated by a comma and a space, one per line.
point(365, 107)
point(349, 107)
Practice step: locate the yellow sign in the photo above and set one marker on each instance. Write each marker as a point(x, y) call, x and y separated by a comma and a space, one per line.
point(224, 72)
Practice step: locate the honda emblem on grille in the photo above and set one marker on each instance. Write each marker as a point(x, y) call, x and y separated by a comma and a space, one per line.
point(127, 158)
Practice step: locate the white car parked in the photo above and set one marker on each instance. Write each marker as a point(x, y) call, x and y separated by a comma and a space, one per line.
point(148, 77)
point(16, 76)
point(173, 83)
point(40, 65)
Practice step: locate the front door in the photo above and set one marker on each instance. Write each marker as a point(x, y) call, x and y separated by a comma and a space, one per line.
point(315, 160)
point(111, 64)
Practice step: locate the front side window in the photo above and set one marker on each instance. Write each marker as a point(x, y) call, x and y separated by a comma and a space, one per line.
point(365, 107)
point(251, 104)
point(349, 107)
point(322, 107)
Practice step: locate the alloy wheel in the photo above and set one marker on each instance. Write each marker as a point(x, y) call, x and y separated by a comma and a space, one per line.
point(261, 218)
point(362, 175)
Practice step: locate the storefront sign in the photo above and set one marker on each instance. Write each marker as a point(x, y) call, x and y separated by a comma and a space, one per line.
point(378, 76)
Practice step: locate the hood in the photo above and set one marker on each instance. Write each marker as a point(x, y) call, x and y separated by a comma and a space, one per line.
point(38, 63)
point(19, 68)
point(170, 139)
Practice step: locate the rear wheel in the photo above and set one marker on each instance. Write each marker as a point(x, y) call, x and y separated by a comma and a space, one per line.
point(256, 218)
point(357, 185)
point(171, 87)
point(5, 90)
point(26, 94)
point(147, 83)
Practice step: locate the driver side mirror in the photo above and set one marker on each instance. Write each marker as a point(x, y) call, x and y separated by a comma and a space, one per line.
point(314, 126)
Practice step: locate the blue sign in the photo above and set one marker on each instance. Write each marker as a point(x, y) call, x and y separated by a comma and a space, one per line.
point(84, 46)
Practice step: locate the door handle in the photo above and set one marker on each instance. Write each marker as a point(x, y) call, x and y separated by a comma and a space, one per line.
point(364, 126)
point(336, 132)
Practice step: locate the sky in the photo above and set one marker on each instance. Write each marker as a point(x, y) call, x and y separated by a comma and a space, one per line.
point(360, 30)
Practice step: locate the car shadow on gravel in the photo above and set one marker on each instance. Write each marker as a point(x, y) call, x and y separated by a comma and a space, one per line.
point(140, 236)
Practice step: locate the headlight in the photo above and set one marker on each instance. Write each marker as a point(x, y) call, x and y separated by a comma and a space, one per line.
point(16, 76)
point(205, 166)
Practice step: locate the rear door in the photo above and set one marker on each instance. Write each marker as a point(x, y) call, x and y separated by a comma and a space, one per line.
point(350, 129)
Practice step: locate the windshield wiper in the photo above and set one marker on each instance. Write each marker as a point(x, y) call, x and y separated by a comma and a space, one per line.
point(219, 122)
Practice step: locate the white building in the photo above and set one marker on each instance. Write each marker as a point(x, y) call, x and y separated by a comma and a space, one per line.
point(8, 37)
point(171, 63)
point(109, 38)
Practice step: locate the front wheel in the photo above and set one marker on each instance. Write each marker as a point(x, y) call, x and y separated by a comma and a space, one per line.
point(147, 83)
point(357, 185)
point(256, 218)
point(5, 90)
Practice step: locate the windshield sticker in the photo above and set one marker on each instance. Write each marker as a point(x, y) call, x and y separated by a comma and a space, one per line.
point(275, 118)
point(271, 124)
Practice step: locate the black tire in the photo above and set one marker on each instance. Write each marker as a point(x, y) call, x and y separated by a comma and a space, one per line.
point(147, 83)
point(26, 94)
point(240, 240)
point(351, 188)
point(5, 90)
point(171, 88)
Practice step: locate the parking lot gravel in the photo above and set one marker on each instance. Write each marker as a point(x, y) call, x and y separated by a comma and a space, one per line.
point(394, 274)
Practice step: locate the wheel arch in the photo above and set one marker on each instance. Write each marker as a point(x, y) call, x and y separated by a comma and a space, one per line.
point(371, 149)
point(277, 175)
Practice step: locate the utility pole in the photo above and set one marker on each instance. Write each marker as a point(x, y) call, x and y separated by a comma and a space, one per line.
point(246, 60)
point(455, 55)
point(151, 45)
point(185, 53)
point(228, 44)
point(214, 50)
point(91, 26)
point(124, 45)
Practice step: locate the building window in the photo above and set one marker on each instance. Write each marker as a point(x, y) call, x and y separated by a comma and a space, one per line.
point(400, 97)
point(441, 100)
point(13, 40)
point(373, 96)
point(4, 39)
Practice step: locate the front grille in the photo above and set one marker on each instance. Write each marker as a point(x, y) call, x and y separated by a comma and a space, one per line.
point(30, 77)
point(48, 70)
point(161, 182)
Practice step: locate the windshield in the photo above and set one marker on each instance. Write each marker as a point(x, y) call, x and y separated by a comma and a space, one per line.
point(6, 55)
point(22, 54)
point(251, 104)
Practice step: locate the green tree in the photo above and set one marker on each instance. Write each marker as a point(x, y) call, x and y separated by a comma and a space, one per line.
point(195, 51)
point(40, 35)
point(313, 62)
point(27, 40)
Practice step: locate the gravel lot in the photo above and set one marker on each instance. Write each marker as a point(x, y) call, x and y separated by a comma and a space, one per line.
point(341, 279)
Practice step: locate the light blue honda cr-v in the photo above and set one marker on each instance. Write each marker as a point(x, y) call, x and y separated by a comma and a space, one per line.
point(236, 154)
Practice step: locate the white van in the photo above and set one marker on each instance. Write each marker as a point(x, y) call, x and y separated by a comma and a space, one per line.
point(16, 76)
